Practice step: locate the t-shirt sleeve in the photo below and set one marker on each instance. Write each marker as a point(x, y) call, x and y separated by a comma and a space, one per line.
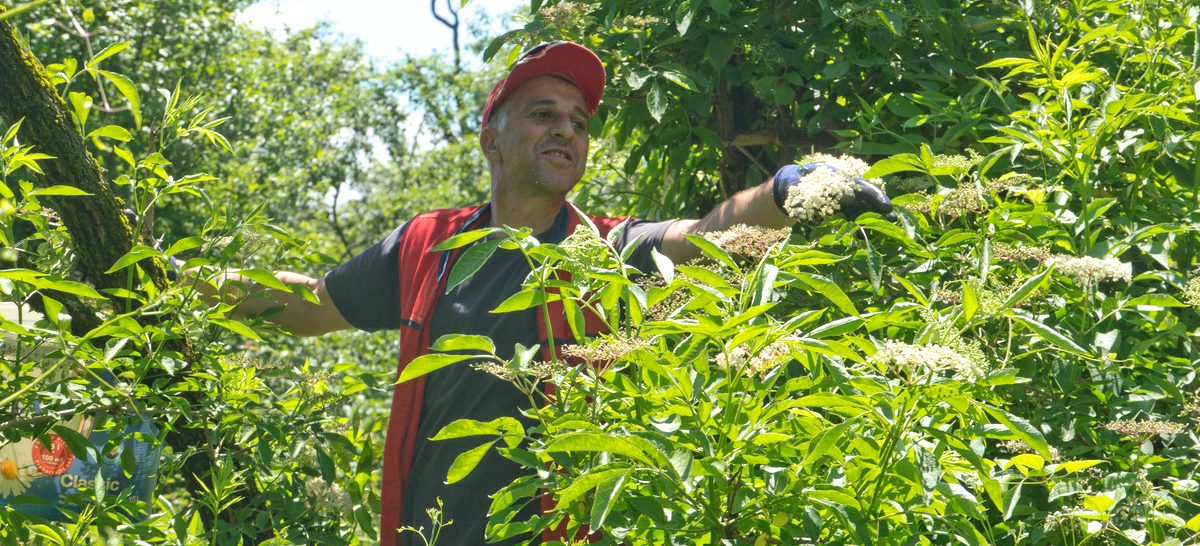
point(366, 289)
point(646, 235)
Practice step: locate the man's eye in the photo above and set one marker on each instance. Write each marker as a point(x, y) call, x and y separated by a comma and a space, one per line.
point(579, 125)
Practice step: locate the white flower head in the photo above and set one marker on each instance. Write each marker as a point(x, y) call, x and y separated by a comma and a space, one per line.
point(327, 498)
point(818, 194)
point(913, 359)
point(1087, 270)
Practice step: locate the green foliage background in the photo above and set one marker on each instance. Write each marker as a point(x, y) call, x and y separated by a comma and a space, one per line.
point(1014, 137)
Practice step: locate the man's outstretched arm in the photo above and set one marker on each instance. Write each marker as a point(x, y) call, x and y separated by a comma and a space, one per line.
point(301, 317)
point(763, 206)
point(754, 206)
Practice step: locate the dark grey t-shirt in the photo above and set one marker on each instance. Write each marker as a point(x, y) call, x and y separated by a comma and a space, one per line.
point(365, 290)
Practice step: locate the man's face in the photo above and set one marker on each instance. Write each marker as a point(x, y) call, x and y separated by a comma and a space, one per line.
point(540, 144)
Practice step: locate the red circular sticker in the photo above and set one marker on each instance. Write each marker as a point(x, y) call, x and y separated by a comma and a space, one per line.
point(54, 460)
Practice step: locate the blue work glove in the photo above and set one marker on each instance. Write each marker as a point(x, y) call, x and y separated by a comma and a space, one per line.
point(866, 197)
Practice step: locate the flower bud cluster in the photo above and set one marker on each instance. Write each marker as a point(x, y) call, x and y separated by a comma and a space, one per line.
point(926, 358)
point(327, 498)
point(604, 351)
point(1018, 447)
point(1145, 427)
point(751, 242)
point(1191, 290)
point(758, 364)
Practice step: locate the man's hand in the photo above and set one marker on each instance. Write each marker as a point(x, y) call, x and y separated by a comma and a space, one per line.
point(862, 196)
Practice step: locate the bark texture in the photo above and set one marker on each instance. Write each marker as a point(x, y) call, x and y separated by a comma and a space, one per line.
point(100, 233)
point(95, 222)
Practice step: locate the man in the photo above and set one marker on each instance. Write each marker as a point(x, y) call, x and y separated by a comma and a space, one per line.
point(535, 139)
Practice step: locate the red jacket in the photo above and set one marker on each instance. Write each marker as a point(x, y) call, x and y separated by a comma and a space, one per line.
point(423, 275)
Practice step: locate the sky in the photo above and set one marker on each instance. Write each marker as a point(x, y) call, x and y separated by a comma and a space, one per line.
point(388, 28)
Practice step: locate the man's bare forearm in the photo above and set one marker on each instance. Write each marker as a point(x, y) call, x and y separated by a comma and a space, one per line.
point(754, 206)
point(297, 314)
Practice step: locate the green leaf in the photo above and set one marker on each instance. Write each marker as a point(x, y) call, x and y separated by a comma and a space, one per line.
point(970, 300)
point(1021, 428)
point(463, 342)
point(265, 278)
point(1152, 302)
point(836, 328)
point(128, 90)
point(585, 483)
point(69, 191)
point(720, 6)
point(1028, 287)
point(463, 239)
point(1053, 336)
point(463, 428)
point(524, 299)
point(471, 260)
point(114, 132)
point(600, 442)
point(877, 224)
point(236, 327)
point(107, 52)
point(1071, 467)
point(711, 250)
point(895, 164)
point(183, 245)
point(824, 443)
point(826, 287)
point(466, 462)
point(80, 446)
point(428, 363)
point(665, 266)
point(606, 493)
point(656, 102)
point(135, 255)
point(67, 287)
point(841, 498)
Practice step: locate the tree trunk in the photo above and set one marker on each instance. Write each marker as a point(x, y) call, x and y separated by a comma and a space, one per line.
point(99, 231)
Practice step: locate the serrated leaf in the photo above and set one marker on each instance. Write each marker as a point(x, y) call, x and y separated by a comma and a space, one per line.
point(524, 299)
point(1051, 335)
point(428, 363)
point(128, 90)
point(471, 260)
point(463, 239)
point(183, 245)
point(598, 442)
point(137, 254)
point(1021, 428)
point(606, 494)
point(1028, 287)
point(463, 342)
point(107, 52)
point(236, 327)
point(465, 462)
point(656, 102)
point(463, 428)
point(826, 287)
point(265, 278)
point(824, 443)
point(114, 132)
point(60, 190)
point(581, 485)
point(711, 250)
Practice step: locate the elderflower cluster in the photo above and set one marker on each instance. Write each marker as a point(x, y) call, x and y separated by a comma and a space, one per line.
point(1019, 446)
point(566, 14)
point(759, 364)
point(932, 358)
point(328, 498)
point(1018, 252)
point(1191, 290)
point(536, 370)
point(751, 242)
point(584, 250)
point(605, 351)
point(1088, 270)
point(818, 194)
point(1146, 427)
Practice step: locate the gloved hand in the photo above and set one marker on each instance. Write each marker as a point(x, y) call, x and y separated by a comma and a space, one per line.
point(864, 196)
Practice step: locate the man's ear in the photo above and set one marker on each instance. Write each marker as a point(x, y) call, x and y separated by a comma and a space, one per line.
point(487, 143)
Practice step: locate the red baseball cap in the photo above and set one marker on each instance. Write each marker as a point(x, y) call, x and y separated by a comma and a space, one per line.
point(567, 60)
